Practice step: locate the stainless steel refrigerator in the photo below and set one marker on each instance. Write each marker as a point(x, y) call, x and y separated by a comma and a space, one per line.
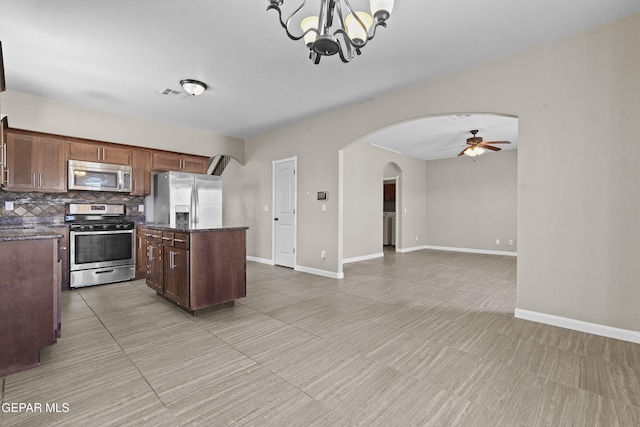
point(187, 200)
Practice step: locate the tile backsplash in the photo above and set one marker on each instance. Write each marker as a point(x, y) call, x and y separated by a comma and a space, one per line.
point(49, 208)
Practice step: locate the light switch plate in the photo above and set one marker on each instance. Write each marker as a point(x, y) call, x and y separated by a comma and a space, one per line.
point(8, 206)
point(140, 208)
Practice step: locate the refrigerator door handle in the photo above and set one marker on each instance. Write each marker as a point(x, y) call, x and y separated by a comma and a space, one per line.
point(195, 193)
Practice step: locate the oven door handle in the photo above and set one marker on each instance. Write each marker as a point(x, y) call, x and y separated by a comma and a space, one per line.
point(84, 233)
point(104, 271)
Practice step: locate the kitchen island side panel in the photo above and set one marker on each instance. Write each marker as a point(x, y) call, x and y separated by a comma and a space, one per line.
point(29, 285)
point(218, 267)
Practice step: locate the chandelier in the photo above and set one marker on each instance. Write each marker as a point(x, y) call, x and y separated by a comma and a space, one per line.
point(330, 32)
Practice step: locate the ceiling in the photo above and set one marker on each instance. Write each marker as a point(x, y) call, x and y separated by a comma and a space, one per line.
point(117, 55)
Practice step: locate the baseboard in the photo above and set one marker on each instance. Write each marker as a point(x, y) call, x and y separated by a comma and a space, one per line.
point(579, 325)
point(362, 258)
point(318, 272)
point(414, 248)
point(260, 260)
point(473, 251)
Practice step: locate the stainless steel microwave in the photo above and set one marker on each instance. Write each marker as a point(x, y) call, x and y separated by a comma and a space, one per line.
point(99, 176)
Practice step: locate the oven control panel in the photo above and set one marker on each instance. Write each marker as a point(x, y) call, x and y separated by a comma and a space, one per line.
point(101, 226)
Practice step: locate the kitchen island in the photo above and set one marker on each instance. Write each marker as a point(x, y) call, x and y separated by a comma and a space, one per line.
point(196, 266)
point(30, 274)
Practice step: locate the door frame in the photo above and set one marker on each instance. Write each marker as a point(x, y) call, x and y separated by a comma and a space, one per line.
point(273, 207)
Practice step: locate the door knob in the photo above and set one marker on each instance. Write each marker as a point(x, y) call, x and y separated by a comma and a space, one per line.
point(275, 219)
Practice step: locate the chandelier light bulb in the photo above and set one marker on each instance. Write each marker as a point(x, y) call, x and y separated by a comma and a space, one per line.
point(355, 30)
point(381, 9)
point(306, 24)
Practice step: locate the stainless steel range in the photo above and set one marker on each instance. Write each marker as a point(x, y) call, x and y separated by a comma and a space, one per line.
point(102, 248)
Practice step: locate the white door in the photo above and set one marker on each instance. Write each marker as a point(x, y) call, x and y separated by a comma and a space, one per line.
point(284, 212)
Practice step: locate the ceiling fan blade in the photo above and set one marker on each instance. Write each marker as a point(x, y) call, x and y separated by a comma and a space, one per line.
point(462, 152)
point(497, 142)
point(488, 147)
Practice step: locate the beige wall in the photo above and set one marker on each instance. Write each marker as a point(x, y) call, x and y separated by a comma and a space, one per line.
point(472, 202)
point(578, 174)
point(35, 113)
point(363, 199)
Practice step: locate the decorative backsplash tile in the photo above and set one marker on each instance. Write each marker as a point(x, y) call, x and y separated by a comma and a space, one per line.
point(49, 208)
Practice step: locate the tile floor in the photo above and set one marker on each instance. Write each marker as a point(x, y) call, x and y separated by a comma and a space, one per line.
point(415, 339)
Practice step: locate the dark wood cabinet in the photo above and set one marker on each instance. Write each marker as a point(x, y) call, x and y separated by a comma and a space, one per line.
point(178, 162)
point(35, 163)
point(176, 268)
point(389, 192)
point(29, 301)
point(141, 252)
point(141, 165)
point(63, 251)
point(199, 269)
point(95, 152)
point(154, 261)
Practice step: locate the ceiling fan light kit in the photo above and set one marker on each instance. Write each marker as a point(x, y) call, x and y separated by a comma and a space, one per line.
point(331, 32)
point(477, 146)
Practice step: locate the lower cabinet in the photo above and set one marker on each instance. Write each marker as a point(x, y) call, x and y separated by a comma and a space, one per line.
point(29, 302)
point(199, 269)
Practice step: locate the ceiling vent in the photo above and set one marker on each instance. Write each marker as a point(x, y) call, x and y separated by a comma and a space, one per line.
point(172, 93)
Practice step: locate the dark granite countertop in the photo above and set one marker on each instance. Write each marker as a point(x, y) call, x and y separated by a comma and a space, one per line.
point(27, 232)
point(194, 228)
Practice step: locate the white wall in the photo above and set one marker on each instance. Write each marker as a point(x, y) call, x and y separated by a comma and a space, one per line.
point(578, 175)
point(471, 202)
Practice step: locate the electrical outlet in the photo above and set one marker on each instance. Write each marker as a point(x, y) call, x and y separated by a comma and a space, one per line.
point(266, 208)
point(8, 206)
point(324, 208)
point(141, 208)
point(511, 242)
point(416, 238)
point(497, 241)
point(323, 254)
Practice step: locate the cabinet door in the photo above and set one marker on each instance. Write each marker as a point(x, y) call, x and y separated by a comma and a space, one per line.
point(141, 164)
point(166, 162)
point(194, 164)
point(118, 156)
point(52, 169)
point(84, 151)
point(154, 265)
point(93, 152)
point(63, 251)
point(176, 275)
point(35, 164)
point(141, 252)
point(22, 162)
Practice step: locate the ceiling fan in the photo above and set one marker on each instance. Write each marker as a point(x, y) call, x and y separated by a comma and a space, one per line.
point(476, 145)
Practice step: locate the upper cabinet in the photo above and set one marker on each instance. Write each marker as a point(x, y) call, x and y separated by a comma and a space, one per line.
point(35, 163)
point(95, 152)
point(141, 165)
point(179, 162)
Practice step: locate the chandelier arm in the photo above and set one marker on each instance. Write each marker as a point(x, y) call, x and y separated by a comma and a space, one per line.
point(286, 25)
point(355, 15)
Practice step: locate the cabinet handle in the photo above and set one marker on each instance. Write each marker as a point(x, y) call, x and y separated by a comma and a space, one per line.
point(40, 180)
point(172, 262)
point(150, 252)
point(7, 172)
point(179, 240)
